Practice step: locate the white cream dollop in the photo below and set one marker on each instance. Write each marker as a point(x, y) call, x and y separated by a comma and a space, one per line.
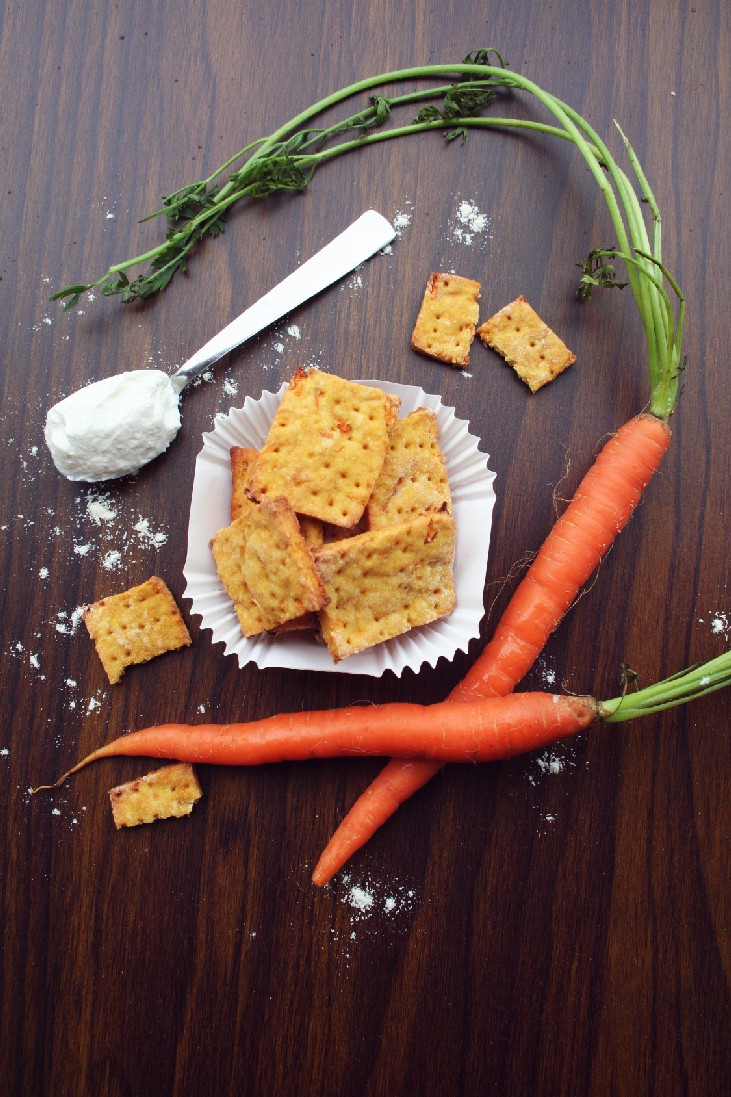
point(113, 427)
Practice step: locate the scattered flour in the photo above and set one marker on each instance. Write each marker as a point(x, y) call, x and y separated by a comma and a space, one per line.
point(403, 218)
point(147, 535)
point(100, 508)
point(550, 764)
point(720, 623)
point(469, 224)
point(360, 898)
point(370, 899)
point(112, 559)
point(67, 623)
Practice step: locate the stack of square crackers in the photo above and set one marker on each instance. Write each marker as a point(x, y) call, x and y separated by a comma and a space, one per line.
point(342, 522)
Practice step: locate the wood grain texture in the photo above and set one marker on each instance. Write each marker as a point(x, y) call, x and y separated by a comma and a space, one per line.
point(531, 933)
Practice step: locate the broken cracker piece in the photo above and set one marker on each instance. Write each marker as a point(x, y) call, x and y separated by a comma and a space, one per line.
point(325, 447)
point(168, 793)
point(413, 479)
point(526, 343)
point(135, 626)
point(384, 582)
point(265, 565)
point(445, 326)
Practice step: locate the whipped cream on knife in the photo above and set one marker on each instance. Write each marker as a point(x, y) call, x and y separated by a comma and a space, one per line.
point(113, 427)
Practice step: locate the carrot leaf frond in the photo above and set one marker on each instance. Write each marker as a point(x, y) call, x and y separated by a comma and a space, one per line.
point(597, 272)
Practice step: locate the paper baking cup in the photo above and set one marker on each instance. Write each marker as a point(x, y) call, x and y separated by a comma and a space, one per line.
point(473, 498)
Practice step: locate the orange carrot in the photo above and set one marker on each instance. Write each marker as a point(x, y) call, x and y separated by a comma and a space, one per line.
point(476, 731)
point(599, 510)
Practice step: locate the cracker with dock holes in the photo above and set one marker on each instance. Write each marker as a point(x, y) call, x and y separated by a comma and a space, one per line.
point(413, 479)
point(526, 343)
point(445, 326)
point(135, 626)
point(242, 462)
point(384, 582)
point(325, 447)
point(265, 565)
point(168, 793)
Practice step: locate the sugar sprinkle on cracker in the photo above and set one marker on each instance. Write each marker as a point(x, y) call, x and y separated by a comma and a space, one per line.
point(135, 626)
point(445, 326)
point(526, 343)
point(167, 793)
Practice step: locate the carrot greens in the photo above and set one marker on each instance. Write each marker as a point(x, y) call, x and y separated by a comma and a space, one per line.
point(289, 157)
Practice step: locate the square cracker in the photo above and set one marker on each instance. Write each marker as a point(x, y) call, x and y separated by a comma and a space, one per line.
point(325, 447)
point(266, 568)
point(445, 326)
point(168, 793)
point(135, 626)
point(386, 581)
point(526, 343)
point(413, 479)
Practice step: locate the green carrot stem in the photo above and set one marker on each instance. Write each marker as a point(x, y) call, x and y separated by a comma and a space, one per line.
point(675, 690)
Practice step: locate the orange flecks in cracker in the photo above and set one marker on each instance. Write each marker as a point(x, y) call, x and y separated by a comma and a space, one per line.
point(445, 326)
point(135, 626)
point(168, 793)
point(526, 343)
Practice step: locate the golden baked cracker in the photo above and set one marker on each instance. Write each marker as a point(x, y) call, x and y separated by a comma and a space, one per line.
point(384, 582)
point(168, 793)
point(242, 461)
point(278, 567)
point(445, 326)
point(135, 626)
point(266, 568)
point(325, 447)
point(228, 548)
point(413, 479)
point(534, 351)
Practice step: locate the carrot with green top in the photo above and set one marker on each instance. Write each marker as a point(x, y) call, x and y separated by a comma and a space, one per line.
point(600, 508)
point(474, 731)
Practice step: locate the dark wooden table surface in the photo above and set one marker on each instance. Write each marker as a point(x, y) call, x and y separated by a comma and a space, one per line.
point(535, 928)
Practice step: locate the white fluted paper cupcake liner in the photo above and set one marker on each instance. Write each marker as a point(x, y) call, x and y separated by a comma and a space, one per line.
point(473, 499)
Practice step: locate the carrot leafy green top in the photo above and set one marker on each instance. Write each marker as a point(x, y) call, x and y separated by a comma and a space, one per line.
point(289, 157)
